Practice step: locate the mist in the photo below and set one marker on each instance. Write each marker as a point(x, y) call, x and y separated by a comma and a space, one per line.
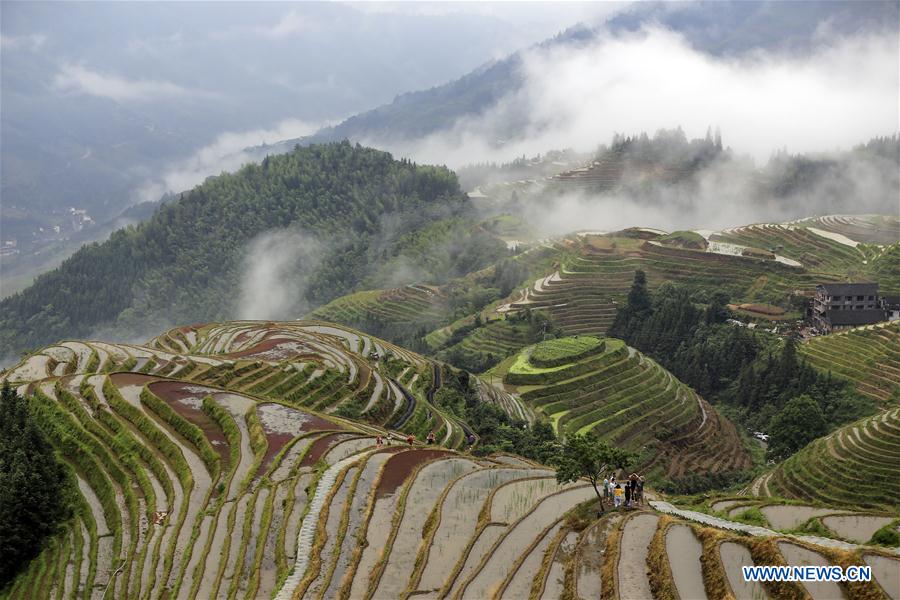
point(228, 152)
point(729, 192)
point(276, 268)
point(843, 91)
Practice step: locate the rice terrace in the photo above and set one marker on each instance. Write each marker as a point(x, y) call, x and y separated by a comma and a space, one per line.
point(451, 300)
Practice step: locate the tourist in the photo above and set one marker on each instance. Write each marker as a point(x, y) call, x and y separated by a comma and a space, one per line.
point(378, 441)
point(430, 438)
point(617, 495)
point(640, 489)
point(628, 494)
point(606, 489)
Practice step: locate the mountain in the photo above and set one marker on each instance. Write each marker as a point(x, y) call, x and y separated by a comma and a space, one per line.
point(106, 105)
point(297, 230)
point(717, 28)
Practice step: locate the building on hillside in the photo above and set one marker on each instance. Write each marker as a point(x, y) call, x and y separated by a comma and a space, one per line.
point(891, 306)
point(839, 306)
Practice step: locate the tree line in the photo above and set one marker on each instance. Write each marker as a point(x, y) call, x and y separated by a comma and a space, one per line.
point(759, 378)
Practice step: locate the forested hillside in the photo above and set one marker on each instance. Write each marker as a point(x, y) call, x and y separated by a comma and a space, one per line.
point(186, 263)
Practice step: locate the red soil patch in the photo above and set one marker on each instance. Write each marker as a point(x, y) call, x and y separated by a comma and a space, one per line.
point(186, 400)
point(282, 424)
point(320, 447)
point(399, 467)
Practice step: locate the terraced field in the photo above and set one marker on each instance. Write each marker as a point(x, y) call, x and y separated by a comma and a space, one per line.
point(869, 357)
point(212, 462)
point(622, 396)
point(411, 307)
point(855, 466)
point(582, 294)
point(869, 229)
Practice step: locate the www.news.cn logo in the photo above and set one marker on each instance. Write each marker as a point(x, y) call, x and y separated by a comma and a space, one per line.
point(807, 573)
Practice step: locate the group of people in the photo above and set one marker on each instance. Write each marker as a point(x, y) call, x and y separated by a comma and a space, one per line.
point(627, 494)
point(410, 439)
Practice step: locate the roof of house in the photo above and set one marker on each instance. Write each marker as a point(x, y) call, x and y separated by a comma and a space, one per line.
point(891, 300)
point(849, 289)
point(855, 317)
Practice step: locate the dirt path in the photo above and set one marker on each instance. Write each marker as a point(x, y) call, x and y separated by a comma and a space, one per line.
point(636, 537)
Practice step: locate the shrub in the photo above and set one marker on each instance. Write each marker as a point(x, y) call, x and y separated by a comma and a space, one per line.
point(887, 536)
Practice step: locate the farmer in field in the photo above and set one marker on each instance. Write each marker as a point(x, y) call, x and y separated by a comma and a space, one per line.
point(410, 439)
point(378, 441)
point(430, 438)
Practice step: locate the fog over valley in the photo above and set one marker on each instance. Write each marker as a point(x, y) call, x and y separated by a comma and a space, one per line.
point(456, 300)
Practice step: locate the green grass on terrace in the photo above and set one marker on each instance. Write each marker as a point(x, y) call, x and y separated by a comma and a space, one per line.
point(523, 364)
point(563, 348)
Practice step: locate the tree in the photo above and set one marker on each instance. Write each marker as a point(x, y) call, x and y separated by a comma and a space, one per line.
point(797, 424)
point(582, 456)
point(636, 309)
point(35, 489)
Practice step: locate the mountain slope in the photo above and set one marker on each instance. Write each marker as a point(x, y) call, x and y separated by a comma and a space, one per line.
point(213, 461)
point(603, 387)
point(342, 213)
point(720, 28)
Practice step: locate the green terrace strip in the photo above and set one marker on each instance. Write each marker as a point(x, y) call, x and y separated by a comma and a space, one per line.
point(553, 353)
point(863, 456)
point(616, 393)
point(869, 357)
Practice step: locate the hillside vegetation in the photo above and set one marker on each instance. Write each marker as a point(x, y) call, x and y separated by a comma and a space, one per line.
point(854, 466)
point(867, 357)
point(607, 389)
point(360, 208)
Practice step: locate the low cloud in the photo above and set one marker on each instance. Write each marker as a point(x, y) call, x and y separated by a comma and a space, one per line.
point(78, 79)
point(32, 41)
point(289, 24)
point(837, 95)
point(228, 152)
point(276, 269)
point(727, 193)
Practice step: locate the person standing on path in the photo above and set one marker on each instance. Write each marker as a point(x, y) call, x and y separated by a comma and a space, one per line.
point(617, 498)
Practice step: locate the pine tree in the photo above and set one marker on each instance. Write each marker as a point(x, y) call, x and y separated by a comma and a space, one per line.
point(35, 489)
